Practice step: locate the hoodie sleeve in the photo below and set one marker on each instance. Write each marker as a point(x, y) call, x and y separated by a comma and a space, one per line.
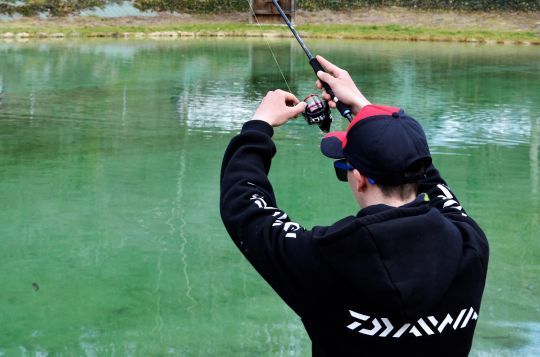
point(279, 249)
point(442, 198)
point(439, 193)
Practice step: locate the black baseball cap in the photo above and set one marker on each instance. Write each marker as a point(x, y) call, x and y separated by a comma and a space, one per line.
point(383, 143)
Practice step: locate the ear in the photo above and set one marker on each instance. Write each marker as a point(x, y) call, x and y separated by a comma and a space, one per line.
point(360, 181)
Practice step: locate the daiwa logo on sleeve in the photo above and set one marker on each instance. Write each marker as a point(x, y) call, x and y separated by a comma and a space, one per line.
point(281, 219)
point(383, 327)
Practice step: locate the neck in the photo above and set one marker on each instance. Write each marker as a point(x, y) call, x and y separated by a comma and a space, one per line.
point(376, 198)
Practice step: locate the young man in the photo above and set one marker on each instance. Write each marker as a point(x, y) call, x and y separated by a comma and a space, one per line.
point(404, 277)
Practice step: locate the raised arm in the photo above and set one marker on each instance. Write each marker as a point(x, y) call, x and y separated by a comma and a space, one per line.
point(278, 248)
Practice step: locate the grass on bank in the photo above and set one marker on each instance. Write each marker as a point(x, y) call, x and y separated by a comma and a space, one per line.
point(383, 32)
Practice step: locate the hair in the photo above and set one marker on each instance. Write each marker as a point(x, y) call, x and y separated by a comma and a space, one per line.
point(404, 191)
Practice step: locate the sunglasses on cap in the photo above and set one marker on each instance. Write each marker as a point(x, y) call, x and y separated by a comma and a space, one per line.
point(342, 167)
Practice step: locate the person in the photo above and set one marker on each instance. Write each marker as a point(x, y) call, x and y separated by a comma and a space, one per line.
point(404, 277)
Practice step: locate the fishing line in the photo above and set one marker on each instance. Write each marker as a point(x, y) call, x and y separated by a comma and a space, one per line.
point(343, 108)
point(269, 47)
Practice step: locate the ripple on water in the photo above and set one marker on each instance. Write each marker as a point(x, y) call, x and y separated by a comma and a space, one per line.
point(520, 339)
point(501, 125)
point(216, 107)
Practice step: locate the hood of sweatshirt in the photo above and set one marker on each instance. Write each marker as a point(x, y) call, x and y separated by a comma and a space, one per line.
point(398, 259)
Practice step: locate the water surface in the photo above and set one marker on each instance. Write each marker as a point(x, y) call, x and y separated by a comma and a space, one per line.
point(109, 166)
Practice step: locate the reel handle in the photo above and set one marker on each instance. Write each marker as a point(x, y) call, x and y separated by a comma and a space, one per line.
point(343, 108)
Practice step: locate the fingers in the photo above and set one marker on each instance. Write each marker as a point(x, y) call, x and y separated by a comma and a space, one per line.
point(330, 67)
point(326, 77)
point(326, 96)
point(301, 106)
point(297, 109)
point(278, 107)
point(289, 97)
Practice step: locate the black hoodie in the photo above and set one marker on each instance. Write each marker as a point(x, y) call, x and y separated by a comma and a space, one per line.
point(403, 281)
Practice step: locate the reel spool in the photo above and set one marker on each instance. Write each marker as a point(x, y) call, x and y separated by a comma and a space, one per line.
point(317, 112)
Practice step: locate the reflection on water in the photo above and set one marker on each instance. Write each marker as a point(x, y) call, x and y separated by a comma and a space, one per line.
point(533, 157)
point(110, 155)
point(500, 124)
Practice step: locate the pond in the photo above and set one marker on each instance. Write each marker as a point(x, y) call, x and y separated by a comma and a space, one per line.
point(110, 153)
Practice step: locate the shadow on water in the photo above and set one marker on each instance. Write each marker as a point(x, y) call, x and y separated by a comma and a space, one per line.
point(110, 154)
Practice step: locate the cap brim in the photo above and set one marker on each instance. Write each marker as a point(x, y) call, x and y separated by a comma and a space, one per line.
point(333, 143)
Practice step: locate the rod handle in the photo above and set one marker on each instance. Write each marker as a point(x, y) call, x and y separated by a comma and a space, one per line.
point(343, 108)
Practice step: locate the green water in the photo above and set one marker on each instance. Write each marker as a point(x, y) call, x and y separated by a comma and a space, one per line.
point(111, 241)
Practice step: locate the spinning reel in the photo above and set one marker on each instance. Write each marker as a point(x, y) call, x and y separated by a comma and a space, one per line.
point(317, 112)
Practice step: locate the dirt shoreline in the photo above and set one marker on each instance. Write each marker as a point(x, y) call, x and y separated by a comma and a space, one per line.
point(374, 23)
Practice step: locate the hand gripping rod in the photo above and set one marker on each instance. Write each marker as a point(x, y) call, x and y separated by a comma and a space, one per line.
point(343, 108)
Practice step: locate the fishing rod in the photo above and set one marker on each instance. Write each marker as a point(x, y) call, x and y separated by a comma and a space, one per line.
point(343, 108)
